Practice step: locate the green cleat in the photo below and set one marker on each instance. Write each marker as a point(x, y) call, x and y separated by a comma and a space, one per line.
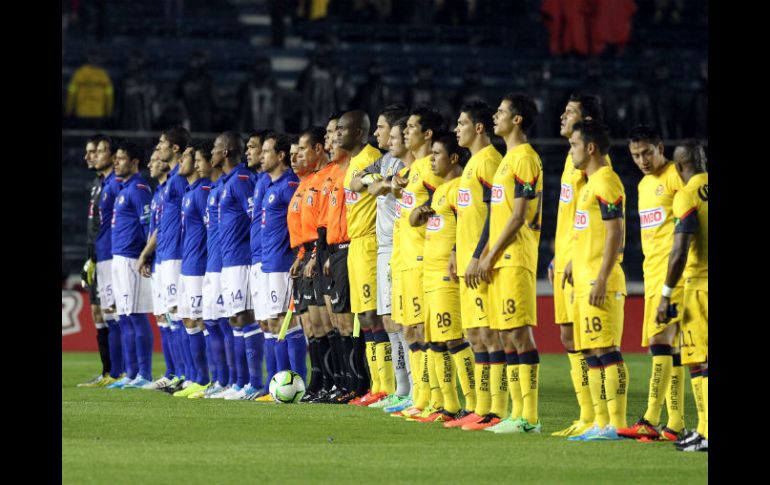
point(507, 425)
point(191, 389)
point(390, 400)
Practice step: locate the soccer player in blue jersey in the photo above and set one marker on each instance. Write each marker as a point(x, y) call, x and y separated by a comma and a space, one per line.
point(130, 221)
point(220, 338)
point(168, 240)
point(277, 257)
point(264, 341)
point(235, 198)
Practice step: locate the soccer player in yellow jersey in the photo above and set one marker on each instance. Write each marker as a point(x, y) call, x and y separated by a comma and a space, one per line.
point(443, 326)
point(414, 190)
point(474, 126)
point(689, 261)
point(509, 263)
point(361, 213)
point(579, 107)
point(656, 197)
point(598, 279)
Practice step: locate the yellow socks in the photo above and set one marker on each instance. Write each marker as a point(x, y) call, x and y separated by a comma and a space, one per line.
point(696, 379)
point(498, 384)
point(660, 378)
point(436, 399)
point(512, 370)
point(481, 374)
point(615, 387)
point(371, 358)
point(529, 369)
point(382, 352)
point(445, 371)
point(675, 395)
point(578, 372)
point(462, 356)
point(596, 385)
point(416, 363)
point(705, 394)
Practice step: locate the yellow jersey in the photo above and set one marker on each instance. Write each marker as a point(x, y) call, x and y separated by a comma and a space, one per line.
point(361, 207)
point(440, 235)
point(601, 198)
point(572, 180)
point(395, 256)
point(691, 210)
point(471, 208)
point(422, 183)
point(520, 174)
point(656, 221)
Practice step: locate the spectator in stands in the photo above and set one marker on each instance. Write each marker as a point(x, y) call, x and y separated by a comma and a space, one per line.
point(373, 94)
point(90, 95)
point(136, 107)
point(259, 100)
point(316, 84)
point(196, 91)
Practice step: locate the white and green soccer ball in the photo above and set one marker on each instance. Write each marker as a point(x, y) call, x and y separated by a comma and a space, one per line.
point(287, 387)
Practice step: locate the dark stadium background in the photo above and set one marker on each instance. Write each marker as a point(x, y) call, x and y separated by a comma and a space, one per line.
point(659, 76)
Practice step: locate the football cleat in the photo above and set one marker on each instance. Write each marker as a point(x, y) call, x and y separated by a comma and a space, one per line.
point(389, 400)
point(213, 389)
point(608, 433)
point(193, 388)
point(250, 392)
point(594, 429)
point(487, 421)
point(405, 403)
point(576, 428)
point(237, 394)
point(158, 384)
point(98, 381)
point(698, 444)
point(138, 383)
point(119, 383)
point(642, 428)
point(507, 425)
point(462, 418)
point(408, 412)
point(668, 434)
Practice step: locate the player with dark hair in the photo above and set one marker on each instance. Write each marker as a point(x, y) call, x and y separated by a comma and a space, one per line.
point(133, 293)
point(656, 197)
point(579, 107)
point(88, 279)
point(598, 279)
point(689, 261)
point(443, 325)
point(509, 262)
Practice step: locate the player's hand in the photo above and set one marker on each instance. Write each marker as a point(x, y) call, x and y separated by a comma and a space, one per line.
point(485, 268)
point(420, 215)
point(144, 266)
point(310, 271)
point(452, 269)
point(472, 274)
point(663, 315)
point(598, 293)
point(398, 182)
point(567, 278)
point(327, 269)
point(550, 272)
point(294, 271)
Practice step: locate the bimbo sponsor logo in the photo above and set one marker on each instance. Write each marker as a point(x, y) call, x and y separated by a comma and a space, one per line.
point(652, 217)
point(464, 198)
point(498, 194)
point(435, 223)
point(351, 197)
point(566, 193)
point(581, 219)
point(407, 200)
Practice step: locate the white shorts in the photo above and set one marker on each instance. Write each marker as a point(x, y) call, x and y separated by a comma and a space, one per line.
point(170, 271)
point(275, 295)
point(158, 300)
point(256, 284)
point(235, 289)
point(104, 284)
point(213, 301)
point(133, 292)
point(190, 297)
point(384, 282)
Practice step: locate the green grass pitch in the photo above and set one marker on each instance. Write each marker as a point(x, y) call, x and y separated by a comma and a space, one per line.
point(146, 437)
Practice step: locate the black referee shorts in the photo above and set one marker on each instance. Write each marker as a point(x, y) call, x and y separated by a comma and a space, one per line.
point(340, 285)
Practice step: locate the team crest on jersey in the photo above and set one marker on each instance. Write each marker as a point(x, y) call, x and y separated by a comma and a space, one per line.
point(122, 199)
point(212, 200)
point(435, 223)
point(407, 200)
point(498, 194)
point(309, 200)
point(464, 198)
point(271, 199)
point(187, 203)
point(566, 193)
point(659, 190)
point(442, 200)
point(504, 169)
point(295, 206)
point(581, 220)
point(104, 198)
point(652, 217)
point(334, 201)
point(415, 178)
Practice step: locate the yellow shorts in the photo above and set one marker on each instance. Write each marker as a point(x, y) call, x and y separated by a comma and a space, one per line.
point(397, 301)
point(362, 274)
point(597, 327)
point(512, 298)
point(412, 296)
point(474, 305)
point(442, 314)
point(562, 300)
point(695, 327)
point(650, 326)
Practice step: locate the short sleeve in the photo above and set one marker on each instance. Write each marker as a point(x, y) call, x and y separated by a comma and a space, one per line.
point(685, 213)
point(609, 195)
point(526, 172)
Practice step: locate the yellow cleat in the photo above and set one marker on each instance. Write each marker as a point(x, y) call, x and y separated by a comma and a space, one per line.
point(576, 428)
point(265, 398)
point(191, 389)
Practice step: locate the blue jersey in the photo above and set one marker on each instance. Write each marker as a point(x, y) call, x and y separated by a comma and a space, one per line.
point(131, 217)
point(237, 190)
point(193, 229)
point(211, 220)
point(263, 180)
point(170, 229)
point(157, 200)
point(103, 242)
point(276, 250)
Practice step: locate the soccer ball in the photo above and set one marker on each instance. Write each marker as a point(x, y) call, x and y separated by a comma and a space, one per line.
point(287, 387)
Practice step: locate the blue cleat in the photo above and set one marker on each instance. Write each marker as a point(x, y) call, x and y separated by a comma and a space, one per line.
point(593, 430)
point(138, 383)
point(406, 403)
point(608, 433)
point(119, 383)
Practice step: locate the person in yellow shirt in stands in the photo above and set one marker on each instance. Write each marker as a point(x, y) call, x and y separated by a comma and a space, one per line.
point(90, 93)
